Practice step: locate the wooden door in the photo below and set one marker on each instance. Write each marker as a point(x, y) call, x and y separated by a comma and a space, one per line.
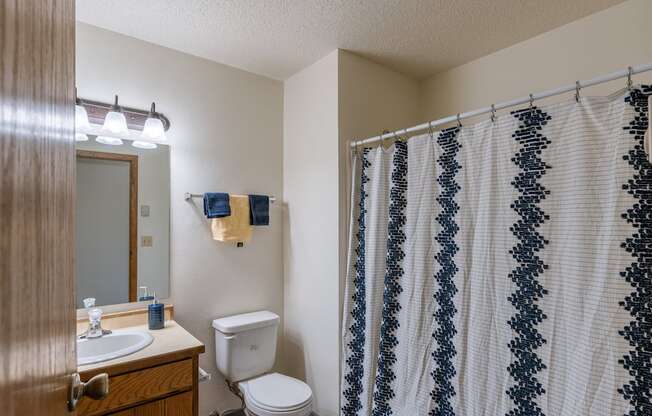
point(37, 182)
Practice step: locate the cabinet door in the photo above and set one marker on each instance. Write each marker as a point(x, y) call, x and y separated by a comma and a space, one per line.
point(156, 408)
point(177, 405)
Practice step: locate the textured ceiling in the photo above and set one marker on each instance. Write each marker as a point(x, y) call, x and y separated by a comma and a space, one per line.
point(277, 38)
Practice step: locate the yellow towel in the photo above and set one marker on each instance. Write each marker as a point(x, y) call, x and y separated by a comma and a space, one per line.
point(236, 226)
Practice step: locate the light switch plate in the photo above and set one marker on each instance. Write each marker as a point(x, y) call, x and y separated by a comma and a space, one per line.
point(146, 241)
point(144, 210)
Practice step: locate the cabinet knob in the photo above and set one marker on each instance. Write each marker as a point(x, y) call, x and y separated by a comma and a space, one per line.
point(96, 388)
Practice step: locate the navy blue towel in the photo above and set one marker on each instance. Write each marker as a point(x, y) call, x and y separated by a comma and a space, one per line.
point(216, 205)
point(258, 209)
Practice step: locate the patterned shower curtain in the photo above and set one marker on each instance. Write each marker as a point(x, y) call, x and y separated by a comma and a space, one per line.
point(504, 268)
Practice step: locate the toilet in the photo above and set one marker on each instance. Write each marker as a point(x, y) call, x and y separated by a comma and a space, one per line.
point(245, 351)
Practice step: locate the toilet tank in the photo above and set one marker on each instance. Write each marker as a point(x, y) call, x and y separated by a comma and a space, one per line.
point(245, 345)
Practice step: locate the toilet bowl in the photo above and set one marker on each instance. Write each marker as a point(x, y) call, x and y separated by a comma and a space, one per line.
point(276, 394)
point(245, 351)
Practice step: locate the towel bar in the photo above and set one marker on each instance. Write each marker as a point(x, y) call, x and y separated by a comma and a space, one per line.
point(188, 196)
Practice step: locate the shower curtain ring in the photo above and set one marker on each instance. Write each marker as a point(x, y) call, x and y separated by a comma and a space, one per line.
point(493, 113)
point(382, 139)
point(430, 130)
point(629, 78)
point(577, 91)
point(459, 122)
point(531, 102)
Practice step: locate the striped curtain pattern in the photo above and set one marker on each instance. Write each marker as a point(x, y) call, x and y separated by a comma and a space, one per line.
point(504, 268)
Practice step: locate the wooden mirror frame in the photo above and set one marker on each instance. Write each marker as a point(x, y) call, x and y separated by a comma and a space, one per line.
point(133, 210)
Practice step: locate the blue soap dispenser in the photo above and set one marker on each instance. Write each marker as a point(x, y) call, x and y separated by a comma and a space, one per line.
point(155, 314)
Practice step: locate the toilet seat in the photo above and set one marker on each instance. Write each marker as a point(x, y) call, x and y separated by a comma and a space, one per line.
point(276, 395)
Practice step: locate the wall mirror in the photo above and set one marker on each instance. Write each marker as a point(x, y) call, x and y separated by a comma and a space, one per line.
point(122, 223)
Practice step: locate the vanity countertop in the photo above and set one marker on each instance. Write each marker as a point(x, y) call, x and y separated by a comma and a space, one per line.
point(170, 343)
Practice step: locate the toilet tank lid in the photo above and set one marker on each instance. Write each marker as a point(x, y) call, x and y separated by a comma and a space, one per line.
point(246, 321)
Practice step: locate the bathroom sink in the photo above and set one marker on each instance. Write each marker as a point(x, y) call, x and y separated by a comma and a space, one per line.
point(114, 345)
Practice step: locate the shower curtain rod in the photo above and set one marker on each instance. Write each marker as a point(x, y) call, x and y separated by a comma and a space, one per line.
point(532, 97)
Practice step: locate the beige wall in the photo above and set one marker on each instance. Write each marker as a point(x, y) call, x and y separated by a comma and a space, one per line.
point(226, 135)
point(373, 98)
point(310, 188)
point(339, 97)
point(592, 46)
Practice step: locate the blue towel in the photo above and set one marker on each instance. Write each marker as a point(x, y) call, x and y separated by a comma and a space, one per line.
point(216, 205)
point(258, 210)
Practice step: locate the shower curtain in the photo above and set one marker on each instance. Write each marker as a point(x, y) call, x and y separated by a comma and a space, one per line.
point(504, 268)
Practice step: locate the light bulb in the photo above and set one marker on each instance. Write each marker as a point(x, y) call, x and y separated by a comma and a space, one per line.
point(115, 122)
point(81, 137)
point(153, 128)
point(143, 145)
point(81, 119)
point(113, 141)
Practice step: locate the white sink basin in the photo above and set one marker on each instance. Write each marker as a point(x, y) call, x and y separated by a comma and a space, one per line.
point(108, 347)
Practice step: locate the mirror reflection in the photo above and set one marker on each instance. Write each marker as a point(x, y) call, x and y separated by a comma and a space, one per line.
point(122, 222)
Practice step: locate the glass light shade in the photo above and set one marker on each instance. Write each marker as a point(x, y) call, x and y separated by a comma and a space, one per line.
point(81, 119)
point(153, 129)
point(113, 141)
point(115, 123)
point(81, 137)
point(143, 145)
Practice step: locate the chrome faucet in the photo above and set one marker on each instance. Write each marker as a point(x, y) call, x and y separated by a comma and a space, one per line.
point(94, 321)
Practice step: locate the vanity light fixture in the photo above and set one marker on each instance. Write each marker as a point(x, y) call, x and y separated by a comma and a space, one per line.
point(153, 128)
point(115, 122)
point(142, 127)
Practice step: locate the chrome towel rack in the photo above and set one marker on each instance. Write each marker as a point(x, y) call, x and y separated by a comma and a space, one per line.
point(188, 196)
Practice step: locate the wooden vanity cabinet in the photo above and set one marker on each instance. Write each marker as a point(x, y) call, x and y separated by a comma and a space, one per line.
point(164, 385)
